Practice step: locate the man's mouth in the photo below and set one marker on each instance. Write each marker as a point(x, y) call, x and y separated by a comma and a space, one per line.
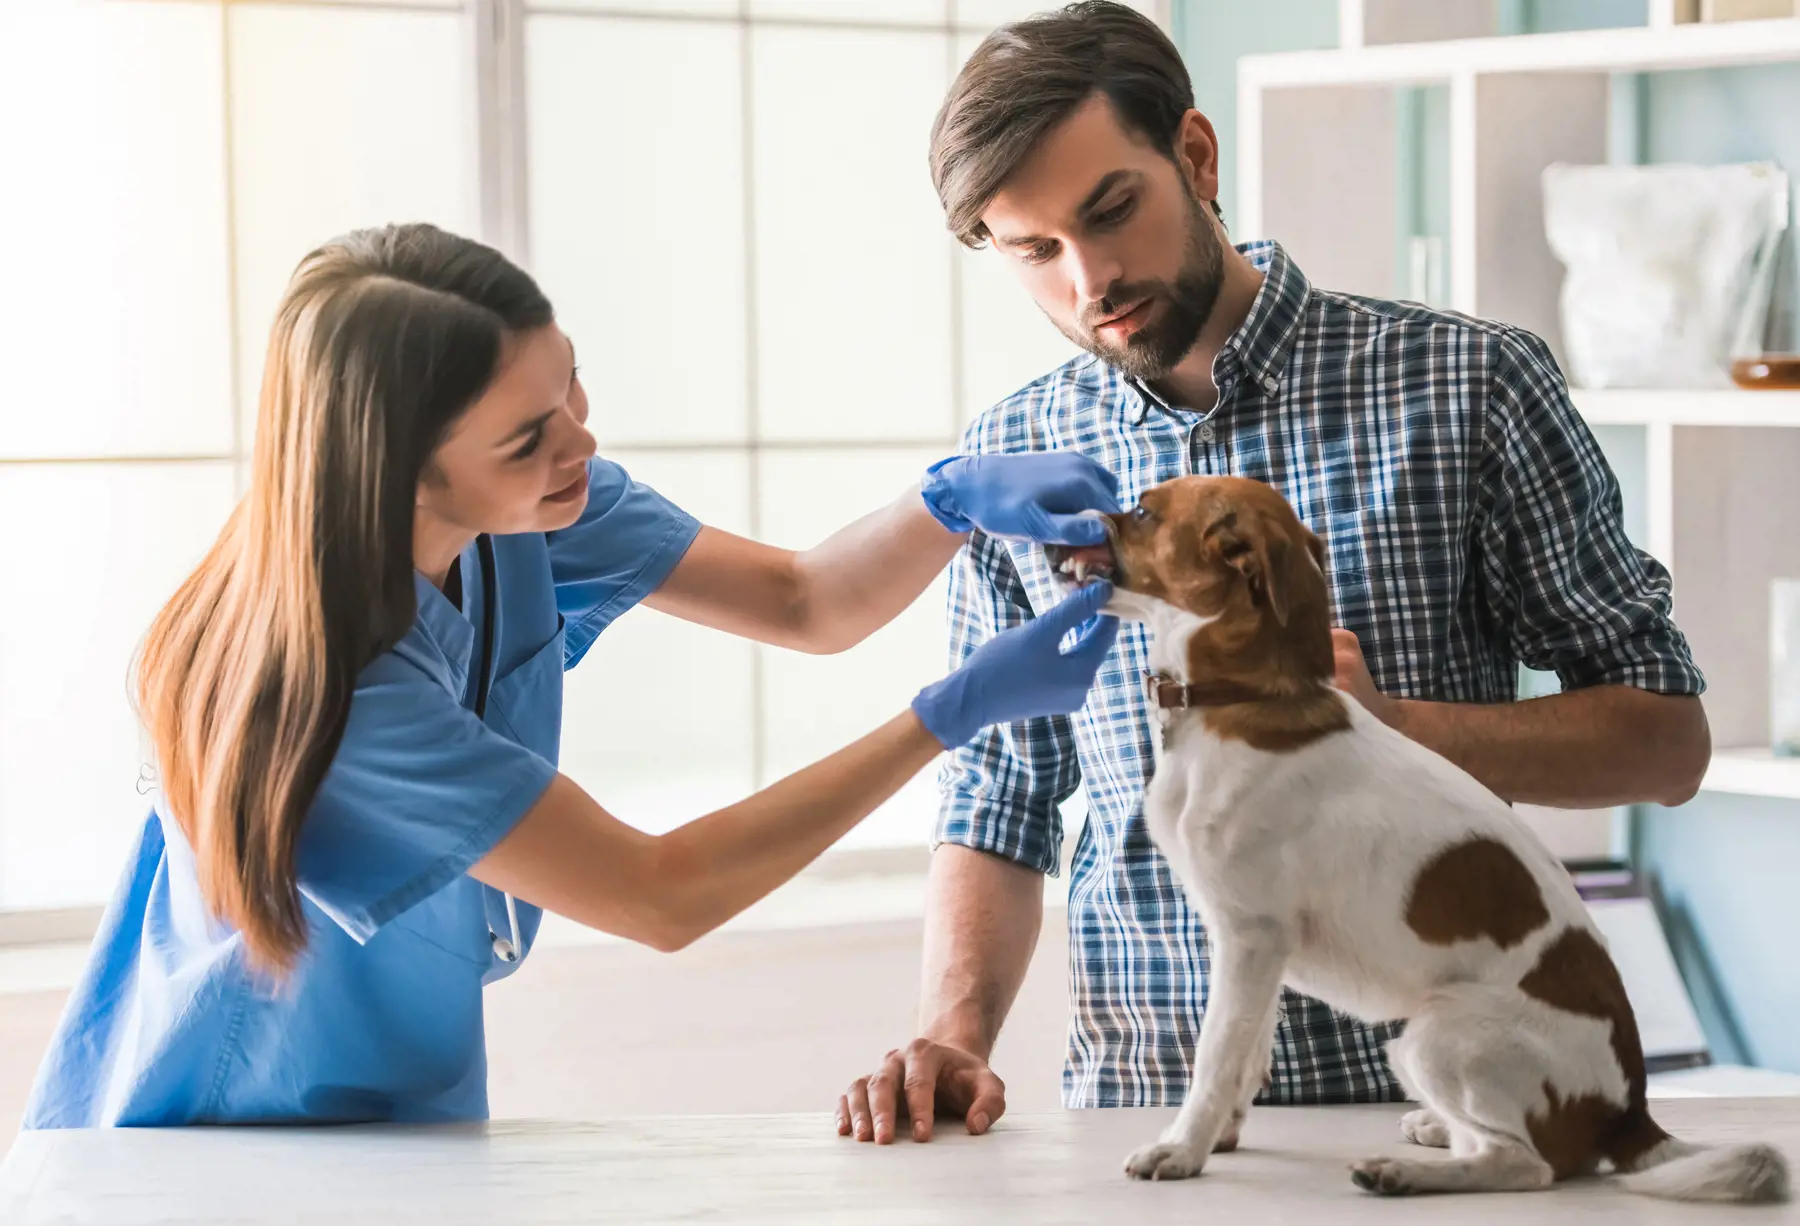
point(1083, 562)
point(1126, 321)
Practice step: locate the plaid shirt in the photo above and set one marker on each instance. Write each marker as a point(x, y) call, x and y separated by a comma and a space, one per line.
point(1473, 526)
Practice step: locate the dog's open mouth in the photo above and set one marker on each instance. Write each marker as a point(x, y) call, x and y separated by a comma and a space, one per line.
point(1079, 563)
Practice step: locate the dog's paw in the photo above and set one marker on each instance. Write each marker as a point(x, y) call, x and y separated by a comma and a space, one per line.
point(1164, 1160)
point(1383, 1176)
point(1423, 1127)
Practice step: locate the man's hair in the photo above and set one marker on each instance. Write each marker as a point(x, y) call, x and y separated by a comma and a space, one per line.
point(1028, 77)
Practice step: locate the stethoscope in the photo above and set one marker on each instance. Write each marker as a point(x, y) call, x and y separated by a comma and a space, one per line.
point(505, 948)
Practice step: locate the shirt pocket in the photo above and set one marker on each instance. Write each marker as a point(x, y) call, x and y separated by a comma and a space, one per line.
point(526, 703)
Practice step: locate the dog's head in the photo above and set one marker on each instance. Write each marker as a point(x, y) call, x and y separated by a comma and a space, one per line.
point(1226, 550)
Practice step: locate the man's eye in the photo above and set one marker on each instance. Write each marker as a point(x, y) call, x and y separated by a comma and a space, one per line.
point(1118, 213)
point(531, 444)
point(1039, 253)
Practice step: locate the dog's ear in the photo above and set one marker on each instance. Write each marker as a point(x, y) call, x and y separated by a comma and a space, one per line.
point(1260, 556)
point(1316, 547)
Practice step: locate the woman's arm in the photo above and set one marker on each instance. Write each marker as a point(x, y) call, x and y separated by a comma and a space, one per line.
point(570, 856)
point(822, 600)
point(833, 596)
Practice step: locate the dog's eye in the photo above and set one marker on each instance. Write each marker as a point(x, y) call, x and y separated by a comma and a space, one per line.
point(1141, 513)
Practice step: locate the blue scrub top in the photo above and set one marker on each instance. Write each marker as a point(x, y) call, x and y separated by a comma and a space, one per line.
point(381, 1018)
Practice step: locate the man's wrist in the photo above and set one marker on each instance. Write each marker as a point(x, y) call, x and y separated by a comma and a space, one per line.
point(961, 1031)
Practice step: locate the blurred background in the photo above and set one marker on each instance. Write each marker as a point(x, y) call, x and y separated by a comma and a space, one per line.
point(728, 201)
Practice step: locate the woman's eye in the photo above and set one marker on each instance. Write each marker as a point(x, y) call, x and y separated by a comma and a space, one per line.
point(531, 444)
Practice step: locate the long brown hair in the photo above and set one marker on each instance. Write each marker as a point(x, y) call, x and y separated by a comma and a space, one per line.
point(382, 340)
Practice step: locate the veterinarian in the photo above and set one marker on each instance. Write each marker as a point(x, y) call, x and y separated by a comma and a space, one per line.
point(1471, 521)
point(355, 702)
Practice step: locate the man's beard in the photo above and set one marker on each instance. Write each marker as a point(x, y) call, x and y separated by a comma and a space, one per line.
point(1178, 311)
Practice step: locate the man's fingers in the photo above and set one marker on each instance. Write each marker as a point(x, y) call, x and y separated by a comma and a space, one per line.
point(860, 1122)
point(884, 1097)
point(843, 1115)
point(922, 1063)
point(989, 1101)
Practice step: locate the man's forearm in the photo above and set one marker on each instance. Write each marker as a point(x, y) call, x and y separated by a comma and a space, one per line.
point(982, 917)
point(1584, 749)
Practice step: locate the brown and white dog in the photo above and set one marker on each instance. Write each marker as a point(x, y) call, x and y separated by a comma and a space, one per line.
point(1326, 851)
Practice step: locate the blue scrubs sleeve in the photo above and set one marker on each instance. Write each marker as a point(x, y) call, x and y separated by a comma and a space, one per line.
point(419, 791)
point(626, 542)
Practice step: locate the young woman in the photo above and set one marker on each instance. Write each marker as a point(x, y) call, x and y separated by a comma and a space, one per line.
point(356, 700)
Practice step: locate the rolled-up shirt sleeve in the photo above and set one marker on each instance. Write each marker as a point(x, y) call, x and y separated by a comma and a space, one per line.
point(1558, 575)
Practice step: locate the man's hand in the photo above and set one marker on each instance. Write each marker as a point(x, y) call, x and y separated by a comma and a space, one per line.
point(1354, 679)
point(922, 1081)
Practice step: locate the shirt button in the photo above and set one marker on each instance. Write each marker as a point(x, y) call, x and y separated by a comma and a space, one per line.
point(1207, 433)
point(1270, 385)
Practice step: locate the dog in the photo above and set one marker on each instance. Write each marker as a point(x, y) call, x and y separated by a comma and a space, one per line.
point(1330, 853)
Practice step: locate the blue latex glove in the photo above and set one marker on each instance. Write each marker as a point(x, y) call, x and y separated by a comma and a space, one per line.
point(1033, 496)
point(1022, 673)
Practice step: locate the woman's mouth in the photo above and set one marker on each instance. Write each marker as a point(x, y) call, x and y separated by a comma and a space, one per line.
point(570, 492)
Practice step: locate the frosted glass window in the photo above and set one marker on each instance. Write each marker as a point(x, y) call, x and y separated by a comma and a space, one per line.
point(658, 718)
point(342, 118)
point(115, 325)
point(814, 705)
point(70, 746)
point(637, 218)
point(686, 8)
point(853, 262)
point(1006, 340)
point(919, 12)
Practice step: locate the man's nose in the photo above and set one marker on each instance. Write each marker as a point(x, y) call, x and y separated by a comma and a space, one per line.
point(1093, 271)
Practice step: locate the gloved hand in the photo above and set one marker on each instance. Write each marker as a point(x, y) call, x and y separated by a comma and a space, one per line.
point(1022, 673)
point(1033, 496)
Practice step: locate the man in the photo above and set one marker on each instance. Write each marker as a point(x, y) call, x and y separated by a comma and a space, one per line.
point(1471, 520)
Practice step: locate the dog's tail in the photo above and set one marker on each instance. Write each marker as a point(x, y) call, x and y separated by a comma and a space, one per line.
point(1653, 1163)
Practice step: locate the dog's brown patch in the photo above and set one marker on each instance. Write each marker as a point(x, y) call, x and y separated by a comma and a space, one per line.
point(1570, 1134)
point(1476, 889)
point(1233, 550)
point(1575, 974)
point(1280, 726)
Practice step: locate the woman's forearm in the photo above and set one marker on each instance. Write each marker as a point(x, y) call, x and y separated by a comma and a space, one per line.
point(568, 855)
point(866, 574)
point(722, 863)
point(821, 600)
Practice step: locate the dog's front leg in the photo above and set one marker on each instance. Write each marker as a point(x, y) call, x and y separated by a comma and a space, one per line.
point(1248, 959)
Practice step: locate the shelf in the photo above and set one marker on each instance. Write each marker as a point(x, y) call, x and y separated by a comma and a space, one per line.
point(1643, 49)
point(1699, 407)
point(1753, 772)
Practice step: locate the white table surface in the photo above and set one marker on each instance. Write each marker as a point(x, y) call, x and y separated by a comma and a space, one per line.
point(793, 1170)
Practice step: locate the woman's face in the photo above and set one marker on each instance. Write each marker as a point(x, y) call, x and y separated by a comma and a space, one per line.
point(517, 460)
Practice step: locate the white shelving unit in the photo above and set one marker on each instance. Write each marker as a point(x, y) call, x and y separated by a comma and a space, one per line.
point(1317, 166)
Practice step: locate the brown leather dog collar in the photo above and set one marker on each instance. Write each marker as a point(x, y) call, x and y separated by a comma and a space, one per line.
point(1167, 694)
